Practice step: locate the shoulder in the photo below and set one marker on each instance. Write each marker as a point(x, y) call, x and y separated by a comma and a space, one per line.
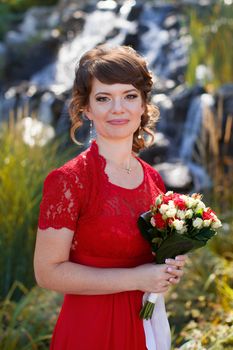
point(73, 170)
point(154, 175)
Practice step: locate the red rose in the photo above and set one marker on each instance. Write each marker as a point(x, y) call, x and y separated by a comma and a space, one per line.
point(180, 203)
point(159, 222)
point(166, 199)
point(209, 214)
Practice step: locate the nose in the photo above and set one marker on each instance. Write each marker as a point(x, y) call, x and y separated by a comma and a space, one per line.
point(117, 106)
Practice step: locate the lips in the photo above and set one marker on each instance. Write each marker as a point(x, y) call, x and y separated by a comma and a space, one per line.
point(118, 121)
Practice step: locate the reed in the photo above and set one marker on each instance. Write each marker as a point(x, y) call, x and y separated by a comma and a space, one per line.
point(23, 169)
point(28, 323)
point(211, 31)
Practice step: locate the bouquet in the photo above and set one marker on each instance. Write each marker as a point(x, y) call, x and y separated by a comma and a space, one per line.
point(175, 225)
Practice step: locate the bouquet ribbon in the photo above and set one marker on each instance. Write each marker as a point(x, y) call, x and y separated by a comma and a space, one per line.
point(157, 329)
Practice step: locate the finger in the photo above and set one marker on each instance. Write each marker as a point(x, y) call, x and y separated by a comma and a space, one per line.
point(176, 263)
point(181, 257)
point(165, 284)
point(173, 280)
point(175, 272)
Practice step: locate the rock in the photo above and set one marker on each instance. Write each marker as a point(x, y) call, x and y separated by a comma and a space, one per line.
point(181, 98)
point(166, 123)
point(135, 12)
point(32, 57)
point(132, 40)
point(157, 152)
point(176, 176)
point(73, 24)
point(45, 114)
point(170, 22)
point(226, 93)
point(3, 54)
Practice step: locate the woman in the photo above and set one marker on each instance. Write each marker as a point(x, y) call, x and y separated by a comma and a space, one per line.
point(88, 244)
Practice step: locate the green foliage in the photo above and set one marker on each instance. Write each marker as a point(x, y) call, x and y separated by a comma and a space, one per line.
point(200, 307)
point(23, 170)
point(22, 5)
point(211, 32)
point(6, 18)
point(28, 323)
point(12, 11)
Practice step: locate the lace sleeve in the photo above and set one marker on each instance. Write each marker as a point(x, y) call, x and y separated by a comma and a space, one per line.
point(60, 203)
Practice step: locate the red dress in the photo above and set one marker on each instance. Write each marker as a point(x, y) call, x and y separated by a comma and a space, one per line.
point(103, 216)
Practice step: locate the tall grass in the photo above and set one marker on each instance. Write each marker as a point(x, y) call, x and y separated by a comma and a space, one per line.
point(28, 323)
point(211, 31)
point(23, 170)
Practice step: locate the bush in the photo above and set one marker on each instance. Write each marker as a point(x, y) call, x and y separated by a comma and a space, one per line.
point(28, 324)
point(200, 307)
point(11, 11)
point(22, 5)
point(211, 31)
point(23, 169)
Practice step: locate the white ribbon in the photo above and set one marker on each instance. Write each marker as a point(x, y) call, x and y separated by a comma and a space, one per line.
point(157, 329)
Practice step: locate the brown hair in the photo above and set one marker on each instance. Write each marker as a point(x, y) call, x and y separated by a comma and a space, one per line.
point(120, 64)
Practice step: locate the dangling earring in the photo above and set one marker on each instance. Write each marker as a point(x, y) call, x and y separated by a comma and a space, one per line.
point(139, 133)
point(91, 132)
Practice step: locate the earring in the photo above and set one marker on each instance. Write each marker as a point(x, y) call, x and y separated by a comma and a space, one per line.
point(91, 132)
point(139, 133)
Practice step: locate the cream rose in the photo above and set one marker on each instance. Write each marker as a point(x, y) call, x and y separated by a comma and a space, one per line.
point(198, 223)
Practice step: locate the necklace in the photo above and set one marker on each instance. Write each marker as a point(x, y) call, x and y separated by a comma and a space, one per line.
point(128, 168)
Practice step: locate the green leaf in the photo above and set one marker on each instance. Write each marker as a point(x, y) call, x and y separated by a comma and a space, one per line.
point(204, 234)
point(174, 245)
point(145, 226)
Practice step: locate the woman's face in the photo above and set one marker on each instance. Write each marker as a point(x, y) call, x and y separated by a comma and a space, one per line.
point(115, 109)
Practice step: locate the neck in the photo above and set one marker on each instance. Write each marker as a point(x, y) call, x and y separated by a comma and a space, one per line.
point(119, 153)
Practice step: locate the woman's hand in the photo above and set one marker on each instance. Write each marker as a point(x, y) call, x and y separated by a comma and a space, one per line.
point(152, 278)
point(175, 268)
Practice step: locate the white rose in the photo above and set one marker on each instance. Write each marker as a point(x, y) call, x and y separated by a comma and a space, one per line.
point(178, 224)
point(184, 230)
point(207, 223)
point(200, 205)
point(171, 213)
point(198, 223)
point(184, 197)
point(189, 214)
point(171, 204)
point(216, 224)
point(180, 214)
point(168, 193)
point(163, 208)
point(191, 202)
point(152, 221)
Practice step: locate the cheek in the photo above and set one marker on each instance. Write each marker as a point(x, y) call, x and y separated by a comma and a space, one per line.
point(137, 109)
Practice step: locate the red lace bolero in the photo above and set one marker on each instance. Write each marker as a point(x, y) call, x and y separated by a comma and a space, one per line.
point(103, 216)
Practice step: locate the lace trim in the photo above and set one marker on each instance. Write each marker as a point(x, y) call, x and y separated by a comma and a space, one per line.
point(103, 163)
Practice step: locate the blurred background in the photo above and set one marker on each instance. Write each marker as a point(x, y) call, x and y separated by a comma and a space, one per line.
point(188, 46)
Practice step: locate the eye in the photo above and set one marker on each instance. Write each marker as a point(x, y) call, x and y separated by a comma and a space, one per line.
point(131, 96)
point(102, 99)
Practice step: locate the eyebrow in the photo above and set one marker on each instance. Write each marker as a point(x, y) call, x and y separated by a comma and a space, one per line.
point(107, 93)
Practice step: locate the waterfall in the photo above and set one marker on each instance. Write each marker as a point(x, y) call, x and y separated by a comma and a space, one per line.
point(191, 131)
point(59, 75)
